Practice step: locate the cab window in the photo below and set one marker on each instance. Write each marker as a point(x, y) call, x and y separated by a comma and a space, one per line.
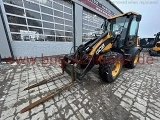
point(133, 28)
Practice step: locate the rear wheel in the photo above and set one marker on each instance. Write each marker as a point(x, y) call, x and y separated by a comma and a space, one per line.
point(133, 60)
point(110, 70)
point(152, 53)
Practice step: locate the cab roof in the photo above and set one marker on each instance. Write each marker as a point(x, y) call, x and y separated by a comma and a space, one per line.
point(134, 13)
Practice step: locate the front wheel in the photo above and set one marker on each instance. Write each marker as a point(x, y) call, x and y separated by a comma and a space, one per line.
point(110, 70)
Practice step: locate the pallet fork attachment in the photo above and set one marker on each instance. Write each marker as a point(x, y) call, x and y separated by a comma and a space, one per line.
point(69, 68)
point(43, 82)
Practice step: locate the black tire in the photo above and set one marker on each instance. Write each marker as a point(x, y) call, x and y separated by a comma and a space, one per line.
point(82, 66)
point(150, 53)
point(107, 70)
point(132, 60)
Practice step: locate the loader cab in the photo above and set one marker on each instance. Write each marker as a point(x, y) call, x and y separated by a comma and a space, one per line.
point(157, 42)
point(155, 50)
point(124, 29)
point(157, 38)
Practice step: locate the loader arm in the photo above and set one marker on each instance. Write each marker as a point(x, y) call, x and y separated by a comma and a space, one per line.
point(103, 43)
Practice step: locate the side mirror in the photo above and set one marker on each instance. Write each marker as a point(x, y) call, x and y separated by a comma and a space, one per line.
point(103, 26)
point(138, 18)
point(155, 34)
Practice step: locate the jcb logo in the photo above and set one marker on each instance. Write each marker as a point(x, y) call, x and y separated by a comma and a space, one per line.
point(100, 48)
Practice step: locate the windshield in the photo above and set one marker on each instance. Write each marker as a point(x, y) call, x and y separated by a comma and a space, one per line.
point(118, 24)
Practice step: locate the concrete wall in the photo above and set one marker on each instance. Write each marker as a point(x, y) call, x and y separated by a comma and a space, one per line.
point(4, 46)
point(36, 49)
point(78, 24)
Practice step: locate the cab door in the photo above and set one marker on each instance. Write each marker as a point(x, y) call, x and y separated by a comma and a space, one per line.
point(133, 32)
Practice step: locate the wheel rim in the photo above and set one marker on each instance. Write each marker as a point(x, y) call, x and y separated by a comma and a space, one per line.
point(116, 68)
point(136, 59)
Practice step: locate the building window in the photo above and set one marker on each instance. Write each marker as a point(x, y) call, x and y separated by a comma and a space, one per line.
point(59, 27)
point(59, 20)
point(31, 5)
point(16, 37)
point(33, 14)
point(67, 16)
point(69, 39)
point(68, 34)
point(15, 28)
point(49, 32)
point(67, 22)
point(46, 10)
point(58, 13)
point(14, 2)
point(47, 18)
point(48, 25)
point(60, 39)
point(46, 2)
point(40, 20)
point(68, 4)
point(57, 6)
point(68, 10)
point(14, 10)
point(91, 25)
point(37, 30)
point(49, 38)
point(34, 23)
point(17, 20)
point(59, 33)
point(68, 28)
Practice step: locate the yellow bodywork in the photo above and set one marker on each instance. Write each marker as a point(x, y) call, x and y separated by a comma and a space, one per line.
point(136, 59)
point(109, 46)
point(138, 41)
point(100, 42)
point(156, 48)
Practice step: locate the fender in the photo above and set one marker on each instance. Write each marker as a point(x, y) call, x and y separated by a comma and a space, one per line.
point(132, 51)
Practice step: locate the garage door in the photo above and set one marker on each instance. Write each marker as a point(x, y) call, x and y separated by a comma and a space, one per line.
point(91, 24)
point(40, 26)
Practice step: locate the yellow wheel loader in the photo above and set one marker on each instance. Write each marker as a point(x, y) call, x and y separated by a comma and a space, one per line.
point(155, 50)
point(116, 47)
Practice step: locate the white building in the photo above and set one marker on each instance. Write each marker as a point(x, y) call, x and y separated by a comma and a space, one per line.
point(49, 27)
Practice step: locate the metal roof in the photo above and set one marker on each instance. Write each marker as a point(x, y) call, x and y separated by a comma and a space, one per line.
point(124, 14)
point(115, 6)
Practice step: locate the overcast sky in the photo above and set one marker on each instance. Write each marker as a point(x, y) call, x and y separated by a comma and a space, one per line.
point(150, 11)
